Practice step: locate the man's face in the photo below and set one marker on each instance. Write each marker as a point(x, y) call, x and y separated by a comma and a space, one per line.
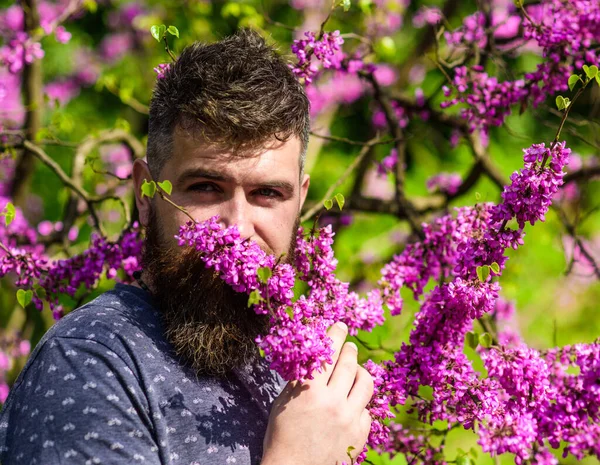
point(262, 195)
point(208, 324)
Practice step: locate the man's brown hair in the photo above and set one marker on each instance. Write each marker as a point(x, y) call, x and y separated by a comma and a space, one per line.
point(237, 95)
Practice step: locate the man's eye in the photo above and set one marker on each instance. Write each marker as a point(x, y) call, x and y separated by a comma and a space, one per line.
point(266, 192)
point(203, 187)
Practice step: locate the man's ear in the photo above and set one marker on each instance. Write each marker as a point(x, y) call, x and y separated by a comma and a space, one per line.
point(141, 172)
point(304, 189)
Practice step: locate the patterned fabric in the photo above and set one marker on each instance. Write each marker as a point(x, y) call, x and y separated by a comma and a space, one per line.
point(103, 386)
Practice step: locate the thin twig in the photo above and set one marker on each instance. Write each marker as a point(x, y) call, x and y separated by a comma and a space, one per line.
point(352, 142)
point(315, 208)
point(571, 230)
point(66, 180)
point(163, 195)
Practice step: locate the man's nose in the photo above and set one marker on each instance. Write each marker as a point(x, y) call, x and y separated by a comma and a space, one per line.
point(237, 211)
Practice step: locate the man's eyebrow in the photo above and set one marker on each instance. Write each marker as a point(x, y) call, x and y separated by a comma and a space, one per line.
point(283, 185)
point(202, 173)
point(220, 176)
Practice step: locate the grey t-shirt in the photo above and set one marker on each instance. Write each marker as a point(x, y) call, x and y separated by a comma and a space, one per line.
point(104, 387)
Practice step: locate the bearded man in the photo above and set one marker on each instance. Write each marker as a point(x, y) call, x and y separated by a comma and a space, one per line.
point(166, 370)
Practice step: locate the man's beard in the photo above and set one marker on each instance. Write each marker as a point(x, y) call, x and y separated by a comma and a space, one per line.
point(209, 324)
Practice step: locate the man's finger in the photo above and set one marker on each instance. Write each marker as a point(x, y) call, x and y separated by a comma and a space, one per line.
point(337, 333)
point(344, 372)
point(362, 390)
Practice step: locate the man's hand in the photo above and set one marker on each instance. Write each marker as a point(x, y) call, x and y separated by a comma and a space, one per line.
point(314, 423)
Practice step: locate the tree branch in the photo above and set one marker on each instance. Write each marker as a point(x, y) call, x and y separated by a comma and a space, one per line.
point(67, 181)
point(319, 205)
point(400, 145)
point(33, 100)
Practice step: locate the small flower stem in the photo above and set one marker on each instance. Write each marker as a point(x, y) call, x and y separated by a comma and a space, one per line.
point(6, 249)
point(562, 122)
point(168, 50)
point(163, 195)
point(488, 329)
point(524, 11)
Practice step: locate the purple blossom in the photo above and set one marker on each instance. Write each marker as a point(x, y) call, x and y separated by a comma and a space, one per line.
point(64, 90)
point(161, 69)
point(19, 51)
point(62, 35)
point(427, 15)
point(324, 50)
point(530, 194)
point(447, 183)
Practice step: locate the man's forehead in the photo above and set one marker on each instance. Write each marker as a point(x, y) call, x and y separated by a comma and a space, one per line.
point(193, 157)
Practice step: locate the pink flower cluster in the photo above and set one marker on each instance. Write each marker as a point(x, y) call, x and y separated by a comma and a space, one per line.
point(472, 32)
point(524, 405)
point(566, 31)
point(530, 194)
point(324, 50)
point(20, 50)
point(161, 69)
point(488, 101)
point(297, 343)
point(33, 271)
point(446, 183)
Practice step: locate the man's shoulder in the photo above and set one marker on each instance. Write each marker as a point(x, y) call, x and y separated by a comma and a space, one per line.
point(110, 334)
point(118, 314)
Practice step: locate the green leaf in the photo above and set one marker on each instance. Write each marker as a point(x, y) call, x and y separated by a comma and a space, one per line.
point(477, 196)
point(173, 31)
point(328, 204)
point(518, 3)
point(339, 198)
point(9, 213)
point(590, 71)
point(485, 340)
point(40, 292)
point(472, 340)
point(264, 274)
point(495, 267)
point(598, 78)
point(560, 102)
point(166, 186)
point(148, 188)
point(24, 297)
point(473, 452)
point(483, 272)
point(290, 312)
point(439, 457)
point(345, 4)
point(155, 31)
point(261, 352)
point(348, 453)
point(158, 32)
point(254, 298)
point(573, 79)
point(464, 460)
